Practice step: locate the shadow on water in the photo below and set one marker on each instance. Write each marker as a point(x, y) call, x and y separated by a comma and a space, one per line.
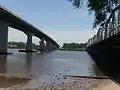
point(7, 80)
point(28, 62)
point(107, 60)
point(97, 71)
point(13, 64)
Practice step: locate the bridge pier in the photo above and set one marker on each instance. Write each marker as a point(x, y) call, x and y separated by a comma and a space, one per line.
point(42, 45)
point(3, 37)
point(29, 42)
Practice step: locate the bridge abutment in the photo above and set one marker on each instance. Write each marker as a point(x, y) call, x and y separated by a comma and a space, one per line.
point(3, 37)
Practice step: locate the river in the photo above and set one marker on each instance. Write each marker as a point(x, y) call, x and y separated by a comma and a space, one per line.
point(77, 63)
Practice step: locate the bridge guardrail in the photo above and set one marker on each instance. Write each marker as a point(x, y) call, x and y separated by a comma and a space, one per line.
point(100, 36)
point(110, 28)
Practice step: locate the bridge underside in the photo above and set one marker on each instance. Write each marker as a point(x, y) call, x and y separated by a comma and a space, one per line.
point(106, 54)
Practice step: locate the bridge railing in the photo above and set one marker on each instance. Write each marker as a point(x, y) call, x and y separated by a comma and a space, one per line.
point(110, 28)
point(101, 35)
point(114, 31)
point(96, 38)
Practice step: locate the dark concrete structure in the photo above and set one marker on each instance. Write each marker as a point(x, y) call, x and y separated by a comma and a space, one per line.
point(106, 54)
point(7, 18)
point(104, 47)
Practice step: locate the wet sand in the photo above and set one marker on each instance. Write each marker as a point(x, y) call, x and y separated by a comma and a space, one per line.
point(81, 84)
point(74, 83)
point(57, 81)
point(6, 82)
point(77, 84)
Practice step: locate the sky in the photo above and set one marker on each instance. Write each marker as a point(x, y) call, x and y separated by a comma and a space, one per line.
point(57, 18)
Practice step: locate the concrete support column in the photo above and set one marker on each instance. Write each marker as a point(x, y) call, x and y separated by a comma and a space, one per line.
point(3, 37)
point(48, 45)
point(29, 42)
point(42, 44)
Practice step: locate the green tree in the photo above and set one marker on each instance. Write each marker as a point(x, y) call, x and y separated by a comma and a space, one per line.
point(17, 44)
point(82, 45)
point(74, 45)
point(100, 8)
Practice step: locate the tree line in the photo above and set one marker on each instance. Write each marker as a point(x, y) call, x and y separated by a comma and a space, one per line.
point(20, 45)
point(73, 46)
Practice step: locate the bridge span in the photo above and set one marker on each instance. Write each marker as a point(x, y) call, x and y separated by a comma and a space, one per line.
point(8, 18)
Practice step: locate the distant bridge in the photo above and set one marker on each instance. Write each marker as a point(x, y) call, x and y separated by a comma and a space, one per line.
point(8, 18)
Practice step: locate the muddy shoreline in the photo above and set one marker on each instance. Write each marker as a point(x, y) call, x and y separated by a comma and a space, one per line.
point(54, 82)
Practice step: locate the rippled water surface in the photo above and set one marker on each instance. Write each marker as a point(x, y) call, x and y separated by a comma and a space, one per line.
point(66, 62)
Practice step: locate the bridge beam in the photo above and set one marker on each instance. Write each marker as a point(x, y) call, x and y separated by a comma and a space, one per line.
point(3, 37)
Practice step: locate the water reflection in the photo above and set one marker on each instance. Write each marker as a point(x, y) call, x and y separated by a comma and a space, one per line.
point(96, 71)
point(19, 64)
point(73, 63)
point(28, 62)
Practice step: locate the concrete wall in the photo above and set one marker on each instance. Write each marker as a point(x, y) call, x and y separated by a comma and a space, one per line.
point(106, 54)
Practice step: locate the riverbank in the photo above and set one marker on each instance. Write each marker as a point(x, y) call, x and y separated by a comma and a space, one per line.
point(12, 81)
point(74, 83)
point(83, 84)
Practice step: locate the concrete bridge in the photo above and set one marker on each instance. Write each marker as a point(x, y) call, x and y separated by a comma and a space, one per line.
point(8, 18)
point(104, 47)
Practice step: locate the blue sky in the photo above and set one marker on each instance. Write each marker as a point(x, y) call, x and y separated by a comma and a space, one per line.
point(56, 18)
